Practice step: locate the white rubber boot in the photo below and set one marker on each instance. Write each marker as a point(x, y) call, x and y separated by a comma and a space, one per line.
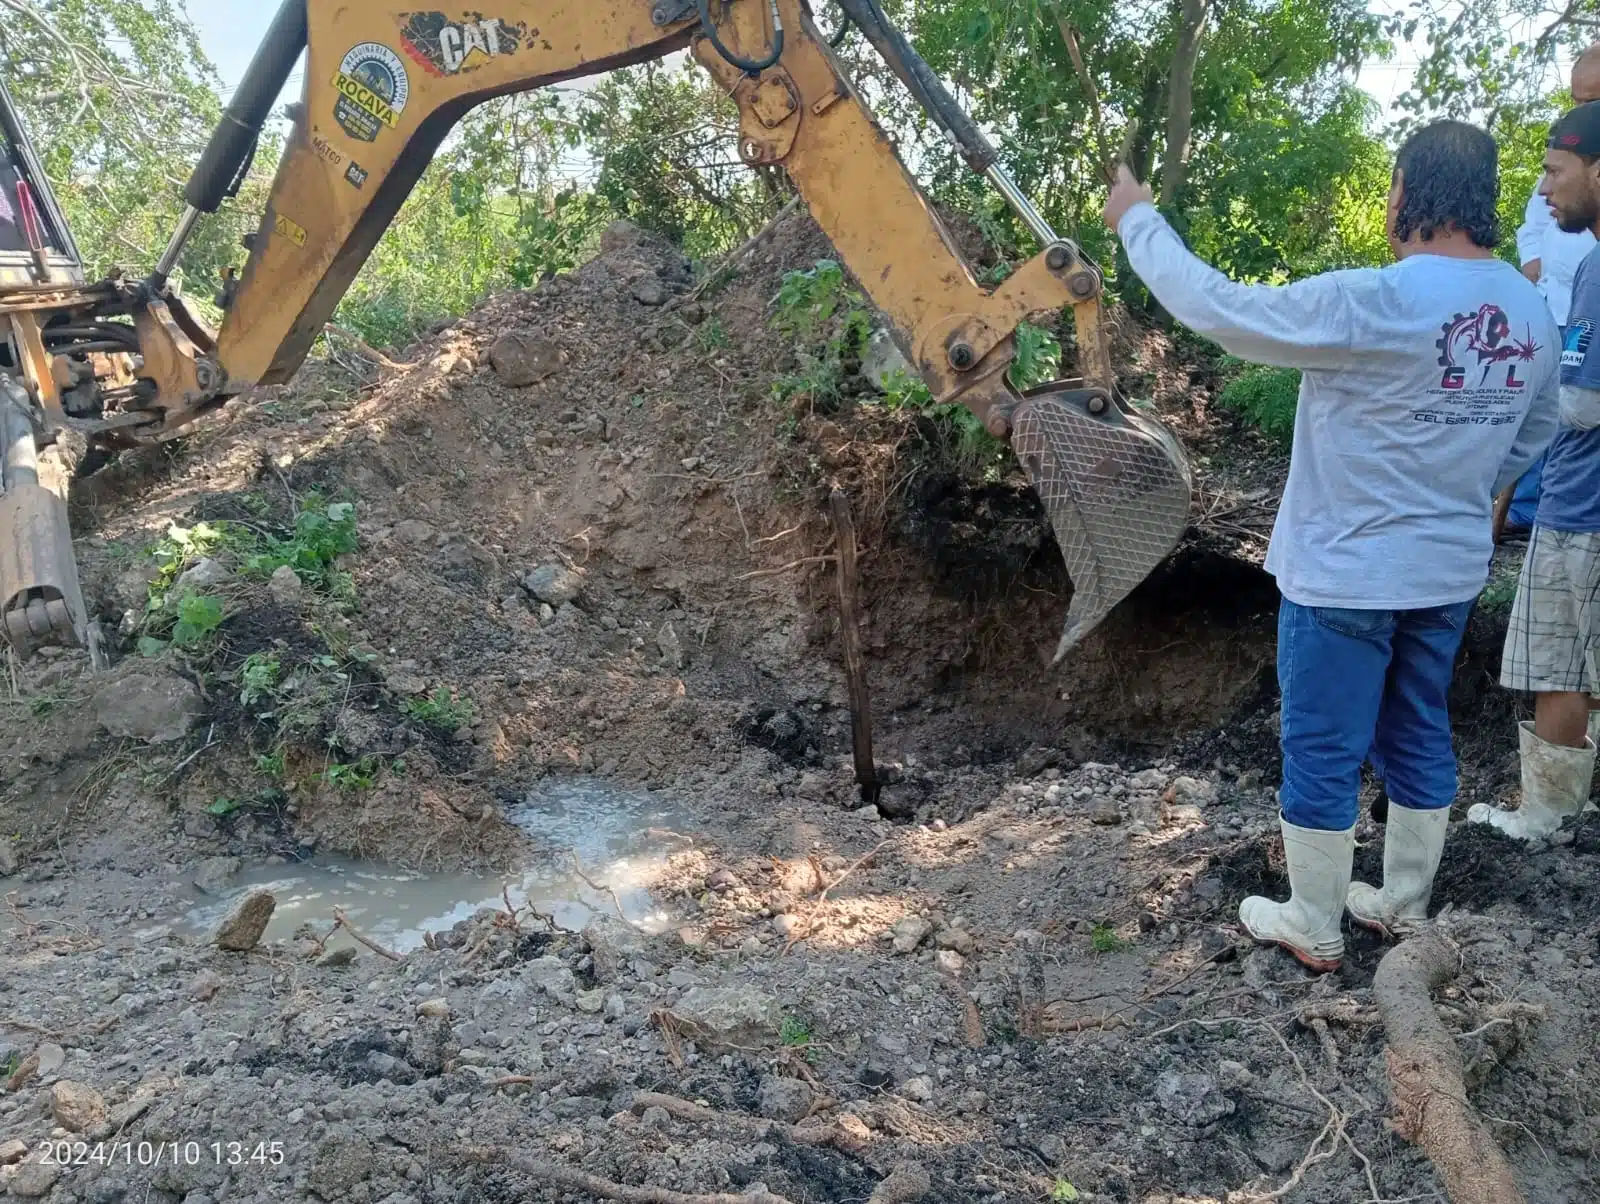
point(1413, 842)
point(1555, 784)
point(1319, 879)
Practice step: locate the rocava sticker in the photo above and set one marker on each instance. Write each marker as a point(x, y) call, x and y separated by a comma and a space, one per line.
point(441, 46)
point(373, 90)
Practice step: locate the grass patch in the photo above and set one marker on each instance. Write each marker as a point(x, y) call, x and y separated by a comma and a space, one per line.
point(828, 321)
point(1104, 939)
point(796, 1034)
point(1264, 397)
point(441, 710)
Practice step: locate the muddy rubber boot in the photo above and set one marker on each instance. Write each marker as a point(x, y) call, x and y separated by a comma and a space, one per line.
point(1319, 880)
point(1412, 846)
point(1555, 784)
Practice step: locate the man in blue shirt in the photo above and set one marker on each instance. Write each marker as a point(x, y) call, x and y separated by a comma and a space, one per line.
point(1555, 622)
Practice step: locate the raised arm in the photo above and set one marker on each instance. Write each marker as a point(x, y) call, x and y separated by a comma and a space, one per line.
point(1536, 220)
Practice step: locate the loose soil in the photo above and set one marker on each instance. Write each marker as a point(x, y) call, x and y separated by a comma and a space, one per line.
point(1033, 988)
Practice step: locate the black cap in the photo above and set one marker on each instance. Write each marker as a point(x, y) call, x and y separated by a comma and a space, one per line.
point(1578, 130)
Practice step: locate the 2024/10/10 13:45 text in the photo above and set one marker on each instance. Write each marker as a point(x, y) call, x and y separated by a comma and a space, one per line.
point(164, 1153)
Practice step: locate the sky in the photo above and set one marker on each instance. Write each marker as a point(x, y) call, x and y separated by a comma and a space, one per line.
point(230, 29)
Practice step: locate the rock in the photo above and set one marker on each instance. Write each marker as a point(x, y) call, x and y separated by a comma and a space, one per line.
point(12, 1151)
point(907, 1183)
point(577, 1107)
point(205, 986)
point(592, 1002)
point(883, 359)
point(958, 940)
point(616, 1007)
point(785, 924)
point(436, 1008)
point(432, 1044)
point(1193, 1099)
point(523, 357)
point(613, 944)
point(337, 958)
point(550, 975)
point(34, 1179)
point(892, 1044)
point(734, 1015)
point(875, 1076)
point(1053, 1148)
point(158, 707)
point(1108, 815)
point(672, 654)
point(285, 587)
point(788, 1100)
point(1193, 792)
point(51, 1058)
point(202, 574)
point(1148, 780)
point(722, 880)
point(1234, 1076)
point(918, 1090)
point(8, 858)
point(950, 961)
point(414, 531)
point(76, 1106)
point(212, 874)
point(909, 933)
point(656, 1117)
point(554, 584)
point(387, 1066)
point(341, 1160)
point(243, 928)
point(649, 291)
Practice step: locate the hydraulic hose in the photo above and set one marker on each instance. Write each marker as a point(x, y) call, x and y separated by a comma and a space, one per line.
point(748, 66)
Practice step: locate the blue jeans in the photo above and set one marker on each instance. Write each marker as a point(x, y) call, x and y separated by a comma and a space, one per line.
point(1355, 682)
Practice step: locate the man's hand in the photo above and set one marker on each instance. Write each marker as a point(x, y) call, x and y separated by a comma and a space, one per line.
point(1533, 269)
point(1125, 194)
point(1502, 509)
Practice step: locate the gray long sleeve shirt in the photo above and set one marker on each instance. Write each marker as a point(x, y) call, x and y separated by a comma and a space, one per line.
point(1428, 387)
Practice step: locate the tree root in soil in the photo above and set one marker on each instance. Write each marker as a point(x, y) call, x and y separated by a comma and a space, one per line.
point(1425, 1074)
point(575, 1180)
point(841, 1133)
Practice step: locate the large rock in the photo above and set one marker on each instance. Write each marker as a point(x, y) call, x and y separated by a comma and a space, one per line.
point(212, 874)
point(550, 975)
point(788, 1100)
point(1193, 1099)
point(243, 929)
point(342, 1160)
point(76, 1106)
point(554, 583)
point(909, 933)
point(202, 574)
point(729, 1015)
point(612, 944)
point(158, 707)
point(286, 588)
point(433, 1044)
point(523, 357)
point(34, 1179)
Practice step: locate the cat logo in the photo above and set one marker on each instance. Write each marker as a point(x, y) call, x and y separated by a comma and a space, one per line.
point(373, 90)
point(444, 47)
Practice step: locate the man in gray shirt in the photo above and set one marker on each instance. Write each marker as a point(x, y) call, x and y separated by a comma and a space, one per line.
point(1427, 388)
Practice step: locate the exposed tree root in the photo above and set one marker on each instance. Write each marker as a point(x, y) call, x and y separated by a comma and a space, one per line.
point(1425, 1074)
point(576, 1180)
point(846, 1133)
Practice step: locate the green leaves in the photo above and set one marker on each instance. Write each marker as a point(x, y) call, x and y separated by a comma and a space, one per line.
point(441, 709)
point(198, 617)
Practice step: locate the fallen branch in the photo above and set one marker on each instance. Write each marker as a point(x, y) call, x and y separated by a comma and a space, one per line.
point(580, 1181)
point(1425, 1074)
point(343, 921)
point(577, 868)
point(731, 258)
point(366, 348)
point(834, 1134)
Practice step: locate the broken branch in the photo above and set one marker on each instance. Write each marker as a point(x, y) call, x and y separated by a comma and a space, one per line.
point(360, 937)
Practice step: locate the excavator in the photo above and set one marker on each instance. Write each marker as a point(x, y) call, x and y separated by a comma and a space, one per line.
point(91, 368)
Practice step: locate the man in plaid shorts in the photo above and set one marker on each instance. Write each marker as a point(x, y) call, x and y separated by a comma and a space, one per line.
point(1555, 627)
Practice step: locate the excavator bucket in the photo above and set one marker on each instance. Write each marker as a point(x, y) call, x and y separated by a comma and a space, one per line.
point(1116, 487)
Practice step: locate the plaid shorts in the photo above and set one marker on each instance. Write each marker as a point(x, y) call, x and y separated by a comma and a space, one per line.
point(1550, 644)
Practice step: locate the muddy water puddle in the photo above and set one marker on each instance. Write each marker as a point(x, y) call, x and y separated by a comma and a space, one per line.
point(621, 837)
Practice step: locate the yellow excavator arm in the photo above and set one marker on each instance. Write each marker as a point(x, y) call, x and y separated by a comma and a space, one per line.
point(385, 84)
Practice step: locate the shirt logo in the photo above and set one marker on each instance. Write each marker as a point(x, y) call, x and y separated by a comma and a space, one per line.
point(1482, 339)
point(1575, 346)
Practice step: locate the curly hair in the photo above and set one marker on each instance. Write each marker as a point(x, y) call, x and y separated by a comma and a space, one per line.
point(1450, 178)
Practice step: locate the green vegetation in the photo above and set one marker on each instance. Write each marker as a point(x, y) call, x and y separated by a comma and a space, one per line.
point(1063, 1191)
point(1104, 939)
point(272, 764)
point(829, 323)
point(258, 677)
point(322, 533)
point(1264, 397)
point(441, 710)
point(796, 1034)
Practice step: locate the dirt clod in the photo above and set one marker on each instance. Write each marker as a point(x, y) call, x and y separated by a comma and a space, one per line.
point(76, 1106)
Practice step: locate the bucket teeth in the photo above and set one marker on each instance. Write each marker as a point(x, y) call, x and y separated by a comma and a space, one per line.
point(1116, 487)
